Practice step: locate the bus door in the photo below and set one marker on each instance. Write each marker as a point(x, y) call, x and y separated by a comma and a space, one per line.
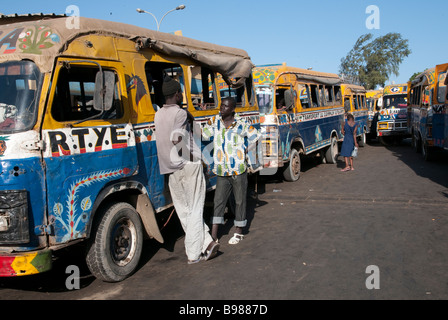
point(90, 142)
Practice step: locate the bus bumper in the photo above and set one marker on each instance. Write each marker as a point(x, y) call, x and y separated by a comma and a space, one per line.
point(23, 264)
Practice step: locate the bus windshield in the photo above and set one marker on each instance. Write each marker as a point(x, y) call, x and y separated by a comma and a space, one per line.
point(19, 87)
point(264, 97)
point(395, 101)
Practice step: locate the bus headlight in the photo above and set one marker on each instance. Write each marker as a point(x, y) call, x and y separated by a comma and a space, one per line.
point(382, 126)
point(14, 225)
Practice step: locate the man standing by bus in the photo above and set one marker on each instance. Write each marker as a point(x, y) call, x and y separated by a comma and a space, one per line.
point(180, 158)
point(232, 137)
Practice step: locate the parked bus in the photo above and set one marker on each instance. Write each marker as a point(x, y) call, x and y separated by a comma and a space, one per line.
point(354, 99)
point(426, 114)
point(440, 129)
point(77, 135)
point(301, 113)
point(374, 103)
point(392, 118)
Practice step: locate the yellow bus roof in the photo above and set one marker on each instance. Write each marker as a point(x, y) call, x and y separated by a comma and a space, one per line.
point(396, 89)
point(353, 88)
point(374, 93)
point(266, 75)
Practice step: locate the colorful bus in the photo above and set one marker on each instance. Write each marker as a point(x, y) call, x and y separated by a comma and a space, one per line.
point(354, 99)
point(426, 114)
point(301, 113)
point(374, 103)
point(440, 118)
point(392, 118)
point(77, 135)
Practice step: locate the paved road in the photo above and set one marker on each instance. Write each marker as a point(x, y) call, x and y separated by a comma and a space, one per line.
point(312, 239)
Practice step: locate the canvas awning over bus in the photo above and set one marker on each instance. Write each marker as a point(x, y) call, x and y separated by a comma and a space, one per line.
point(320, 80)
point(43, 40)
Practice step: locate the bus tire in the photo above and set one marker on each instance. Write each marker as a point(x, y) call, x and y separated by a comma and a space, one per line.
point(427, 152)
point(331, 155)
point(385, 141)
point(292, 171)
point(115, 247)
point(415, 143)
point(362, 142)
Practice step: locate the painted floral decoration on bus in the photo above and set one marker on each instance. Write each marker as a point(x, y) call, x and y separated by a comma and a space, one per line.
point(77, 209)
point(34, 41)
point(31, 40)
point(264, 76)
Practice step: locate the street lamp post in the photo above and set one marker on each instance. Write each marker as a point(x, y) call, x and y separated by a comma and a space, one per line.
point(181, 7)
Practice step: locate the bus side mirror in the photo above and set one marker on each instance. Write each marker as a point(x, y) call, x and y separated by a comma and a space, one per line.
point(104, 90)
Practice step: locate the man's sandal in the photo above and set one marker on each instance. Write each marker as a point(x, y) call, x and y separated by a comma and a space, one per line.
point(210, 254)
point(237, 237)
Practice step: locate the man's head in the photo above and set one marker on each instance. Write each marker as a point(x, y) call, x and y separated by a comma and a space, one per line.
point(228, 105)
point(172, 91)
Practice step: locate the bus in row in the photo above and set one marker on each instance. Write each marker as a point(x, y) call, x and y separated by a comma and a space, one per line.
point(392, 117)
point(302, 114)
point(374, 103)
point(354, 97)
point(427, 115)
point(77, 135)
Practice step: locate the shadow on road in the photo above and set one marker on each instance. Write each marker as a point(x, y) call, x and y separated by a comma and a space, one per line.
point(436, 170)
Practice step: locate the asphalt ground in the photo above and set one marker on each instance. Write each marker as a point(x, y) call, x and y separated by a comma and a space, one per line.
point(312, 239)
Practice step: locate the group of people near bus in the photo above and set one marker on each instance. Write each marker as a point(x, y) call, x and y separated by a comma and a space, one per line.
point(180, 158)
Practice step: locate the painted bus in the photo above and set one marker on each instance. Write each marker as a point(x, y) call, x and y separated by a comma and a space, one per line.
point(426, 115)
point(392, 118)
point(354, 100)
point(77, 135)
point(301, 114)
point(374, 103)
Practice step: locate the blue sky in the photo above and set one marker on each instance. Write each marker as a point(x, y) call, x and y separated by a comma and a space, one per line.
point(303, 34)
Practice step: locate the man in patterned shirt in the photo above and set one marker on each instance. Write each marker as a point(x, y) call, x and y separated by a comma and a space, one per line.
point(233, 136)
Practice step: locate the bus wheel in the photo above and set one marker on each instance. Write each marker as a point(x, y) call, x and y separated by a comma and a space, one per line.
point(362, 142)
point(426, 152)
point(331, 154)
point(415, 143)
point(292, 171)
point(385, 141)
point(114, 249)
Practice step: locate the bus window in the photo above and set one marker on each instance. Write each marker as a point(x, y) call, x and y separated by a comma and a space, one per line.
point(337, 94)
point(363, 102)
point(426, 97)
point(314, 91)
point(347, 104)
point(280, 102)
point(441, 88)
point(236, 93)
point(355, 101)
point(304, 96)
point(73, 99)
point(415, 95)
point(155, 73)
point(203, 89)
point(285, 99)
point(264, 98)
